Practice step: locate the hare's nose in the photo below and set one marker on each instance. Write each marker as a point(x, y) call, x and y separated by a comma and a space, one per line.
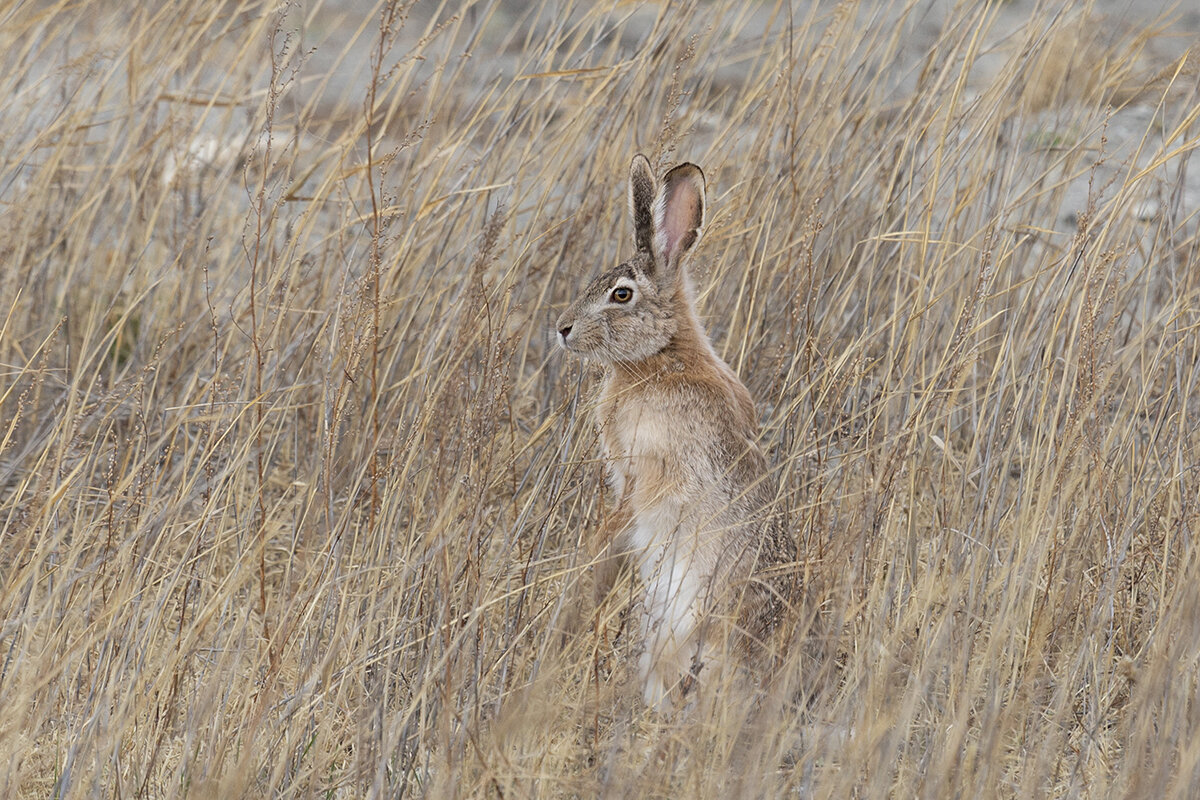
point(564, 331)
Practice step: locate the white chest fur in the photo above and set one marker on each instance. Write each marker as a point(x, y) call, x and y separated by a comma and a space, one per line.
point(655, 473)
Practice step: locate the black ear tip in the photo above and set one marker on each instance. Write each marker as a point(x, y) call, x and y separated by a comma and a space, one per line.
point(685, 170)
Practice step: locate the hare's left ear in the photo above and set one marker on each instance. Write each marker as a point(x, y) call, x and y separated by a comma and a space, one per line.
point(678, 216)
point(641, 203)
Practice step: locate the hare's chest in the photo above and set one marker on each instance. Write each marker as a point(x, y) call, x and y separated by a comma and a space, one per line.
point(646, 446)
point(638, 438)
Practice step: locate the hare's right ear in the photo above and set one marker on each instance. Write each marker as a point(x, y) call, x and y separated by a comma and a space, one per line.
point(641, 203)
point(678, 217)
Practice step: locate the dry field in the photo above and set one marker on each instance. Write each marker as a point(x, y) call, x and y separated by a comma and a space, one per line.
point(297, 494)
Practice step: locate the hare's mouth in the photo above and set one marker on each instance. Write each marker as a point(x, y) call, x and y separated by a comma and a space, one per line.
point(571, 343)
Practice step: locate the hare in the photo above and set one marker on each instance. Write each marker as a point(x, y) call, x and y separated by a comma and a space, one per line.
point(679, 436)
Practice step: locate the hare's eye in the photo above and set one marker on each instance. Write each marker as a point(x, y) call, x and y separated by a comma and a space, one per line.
point(622, 294)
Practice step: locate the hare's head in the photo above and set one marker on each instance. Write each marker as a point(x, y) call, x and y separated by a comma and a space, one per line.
point(632, 311)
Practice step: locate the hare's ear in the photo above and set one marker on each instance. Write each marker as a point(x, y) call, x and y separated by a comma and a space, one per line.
point(641, 203)
point(678, 215)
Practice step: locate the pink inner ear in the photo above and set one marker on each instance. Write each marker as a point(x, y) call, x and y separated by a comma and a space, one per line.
point(678, 220)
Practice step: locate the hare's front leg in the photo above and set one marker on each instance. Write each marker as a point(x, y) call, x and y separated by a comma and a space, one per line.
point(672, 639)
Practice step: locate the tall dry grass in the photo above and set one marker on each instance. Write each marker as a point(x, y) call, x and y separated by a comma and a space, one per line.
point(296, 493)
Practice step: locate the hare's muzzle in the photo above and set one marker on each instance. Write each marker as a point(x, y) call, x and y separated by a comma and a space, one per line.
point(564, 333)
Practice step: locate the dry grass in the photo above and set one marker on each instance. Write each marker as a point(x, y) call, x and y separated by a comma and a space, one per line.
point(295, 490)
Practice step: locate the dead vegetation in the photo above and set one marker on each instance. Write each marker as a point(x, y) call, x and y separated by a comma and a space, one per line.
point(293, 485)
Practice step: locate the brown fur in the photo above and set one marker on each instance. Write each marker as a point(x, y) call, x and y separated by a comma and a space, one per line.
point(679, 432)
